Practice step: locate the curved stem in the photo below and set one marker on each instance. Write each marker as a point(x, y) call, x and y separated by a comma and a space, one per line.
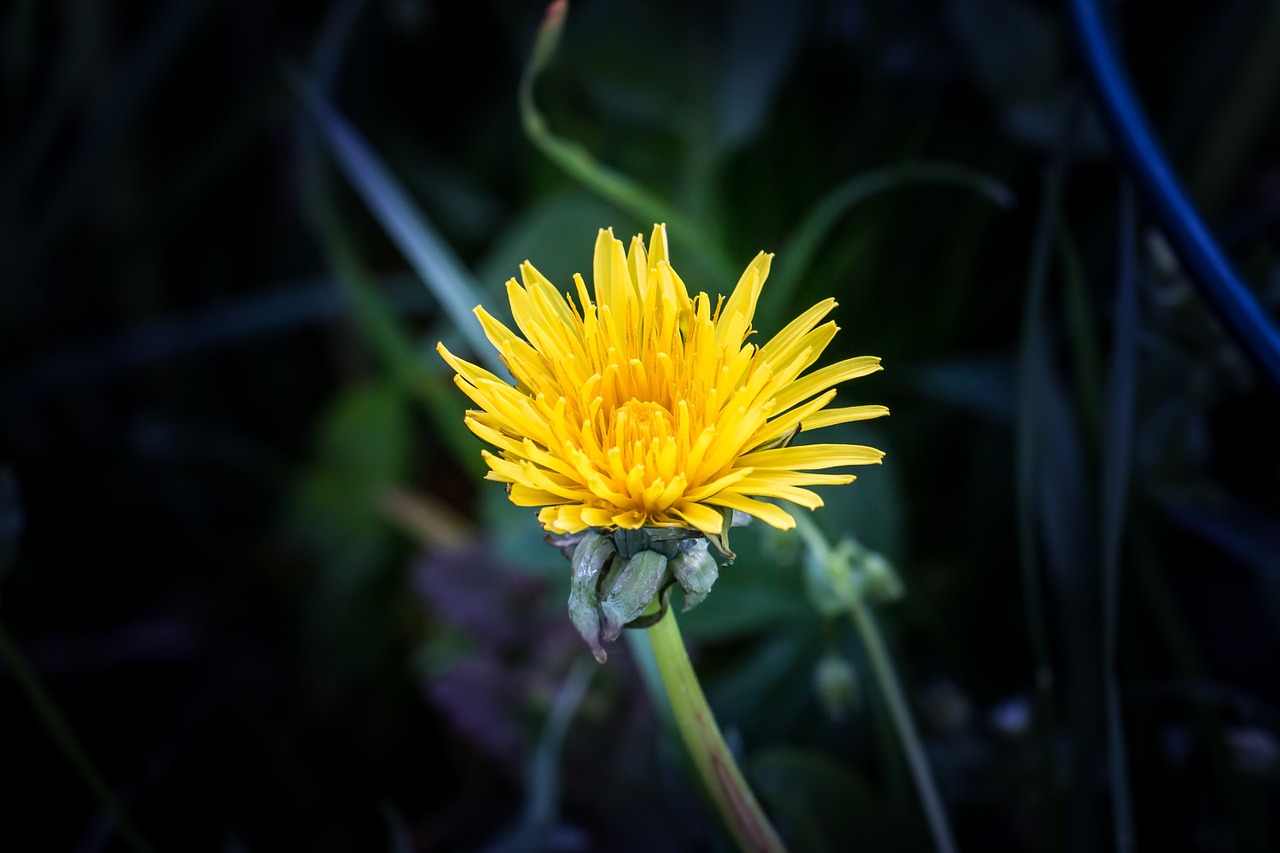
point(935, 814)
point(601, 179)
point(723, 780)
point(62, 734)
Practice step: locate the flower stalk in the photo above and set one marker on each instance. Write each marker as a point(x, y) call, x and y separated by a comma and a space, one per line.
point(59, 729)
point(848, 578)
point(865, 621)
point(733, 798)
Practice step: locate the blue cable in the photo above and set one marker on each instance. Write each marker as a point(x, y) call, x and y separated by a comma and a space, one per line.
point(1226, 294)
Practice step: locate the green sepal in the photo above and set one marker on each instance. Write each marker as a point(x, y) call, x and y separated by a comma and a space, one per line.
point(696, 571)
point(732, 518)
point(591, 555)
point(637, 582)
point(630, 542)
point(669, 541)
point(648, 620)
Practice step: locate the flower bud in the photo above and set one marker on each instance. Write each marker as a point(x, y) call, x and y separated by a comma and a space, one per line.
point(836, 683)
point(880, 579)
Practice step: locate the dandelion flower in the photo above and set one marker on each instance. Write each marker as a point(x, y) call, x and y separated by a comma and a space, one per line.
point(638, 406)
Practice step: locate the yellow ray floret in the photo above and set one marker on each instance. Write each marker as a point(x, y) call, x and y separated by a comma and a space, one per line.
point(636, 405)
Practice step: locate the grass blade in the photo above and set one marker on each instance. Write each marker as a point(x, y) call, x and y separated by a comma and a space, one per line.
point(1031, 364)
point(1116, 465)
point(805, 240)
point(406, 224)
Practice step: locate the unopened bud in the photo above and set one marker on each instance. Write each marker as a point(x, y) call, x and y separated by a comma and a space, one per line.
point(880, 579)
point(836, 683)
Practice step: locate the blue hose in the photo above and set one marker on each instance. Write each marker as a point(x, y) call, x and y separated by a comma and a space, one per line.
point(1233, 302)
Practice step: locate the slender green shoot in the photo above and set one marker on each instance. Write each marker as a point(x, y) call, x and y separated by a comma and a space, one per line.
point(580, 164)
point(65, 737)
point(852, 576)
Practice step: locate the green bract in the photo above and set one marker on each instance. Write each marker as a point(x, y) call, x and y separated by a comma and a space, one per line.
point(618, 574)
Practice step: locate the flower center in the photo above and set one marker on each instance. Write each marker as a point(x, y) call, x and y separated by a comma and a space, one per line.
point(642, 464)
point(642, 422)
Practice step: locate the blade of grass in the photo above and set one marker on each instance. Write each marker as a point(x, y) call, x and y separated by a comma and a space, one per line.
point(1243, 111)
point(396, 350)
point(1116, 465)
point(404, 222)
point(1081, 329)
point(173, 25)
point(272, 311)
point(543, 803)
point(802, 245)
point(25, 156)
point(65, 737)
point(882, 664)
point(394, 346)
point(1031, 365)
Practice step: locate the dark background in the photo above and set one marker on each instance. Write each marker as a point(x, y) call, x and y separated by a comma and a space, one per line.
point(245, 546)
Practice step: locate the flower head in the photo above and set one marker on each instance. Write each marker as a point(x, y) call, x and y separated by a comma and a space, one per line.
point(639, 406)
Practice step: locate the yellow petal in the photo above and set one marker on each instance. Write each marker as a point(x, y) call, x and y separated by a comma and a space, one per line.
point(747, 293)
point(813, 456)
point(702, 517)
point(768, 513)
point(831, 417)
point(826, 377)
point(783, 343)
point(638, 406)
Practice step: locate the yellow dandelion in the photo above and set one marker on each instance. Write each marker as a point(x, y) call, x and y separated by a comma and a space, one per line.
point(639, 406)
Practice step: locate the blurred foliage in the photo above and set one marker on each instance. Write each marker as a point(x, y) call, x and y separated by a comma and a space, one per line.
point(245, 545)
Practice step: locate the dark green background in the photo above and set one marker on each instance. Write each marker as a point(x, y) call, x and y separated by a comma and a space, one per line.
point(214, 364)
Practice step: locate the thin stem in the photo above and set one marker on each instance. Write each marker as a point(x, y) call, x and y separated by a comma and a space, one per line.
point(65, 738)
point(864, 620)
point(579, 163)
point(736, 803)
point(1116, 467)
point(543, 804)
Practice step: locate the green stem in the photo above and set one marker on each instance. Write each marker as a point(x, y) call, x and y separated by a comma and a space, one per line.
point(582, 165)
point(715, 764)
point(65, 738)
point(864, 620)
